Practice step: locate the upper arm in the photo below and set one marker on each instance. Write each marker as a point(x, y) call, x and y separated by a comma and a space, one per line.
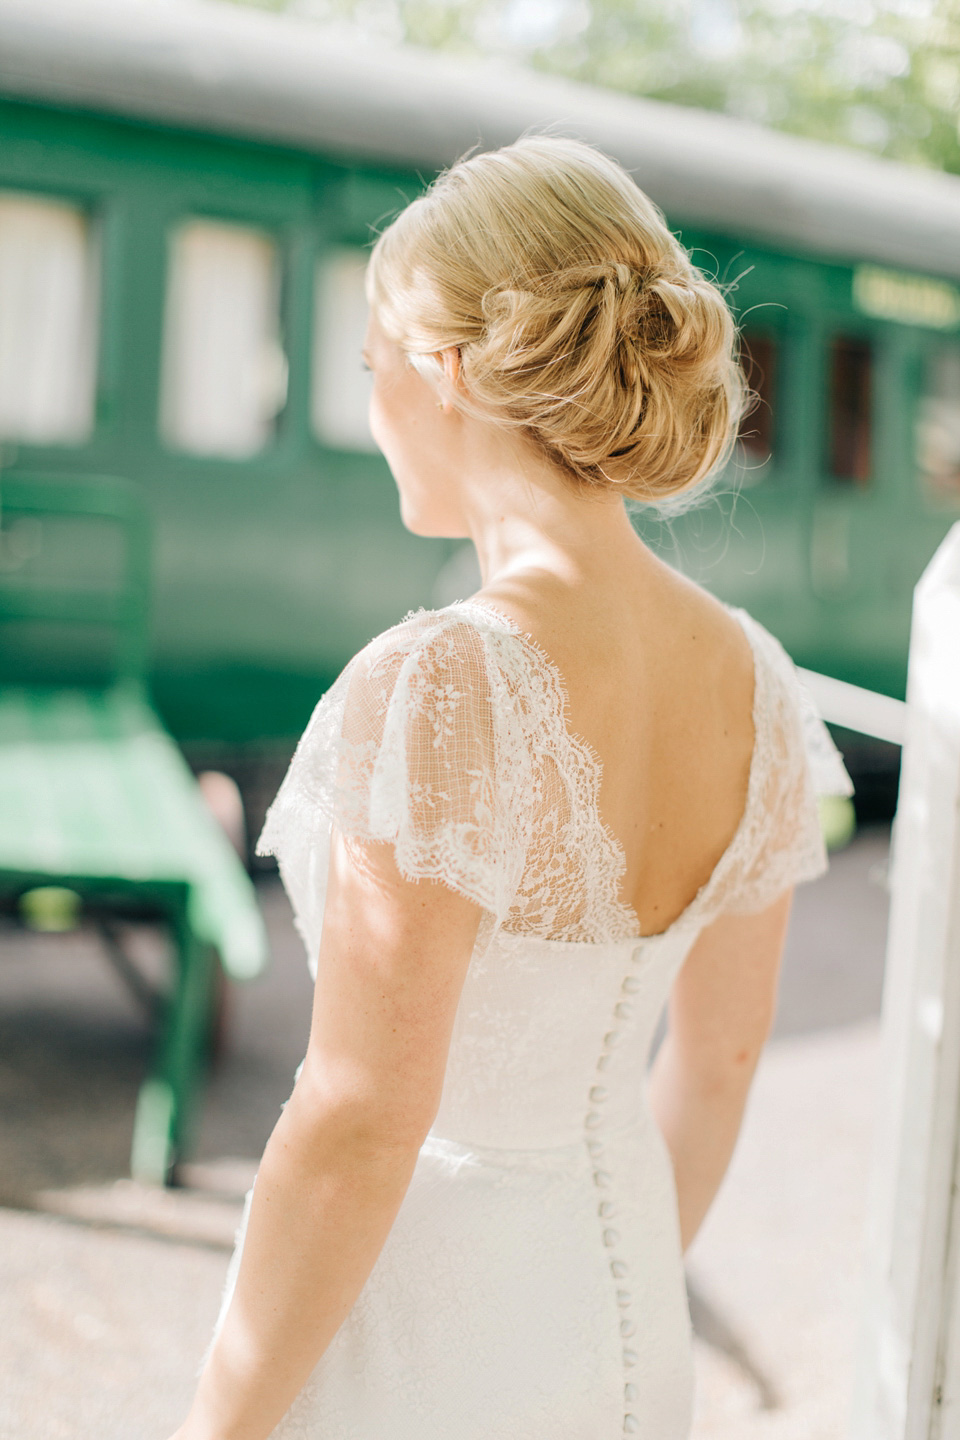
point(392, 960)
point(723, 999)
point(395, 832)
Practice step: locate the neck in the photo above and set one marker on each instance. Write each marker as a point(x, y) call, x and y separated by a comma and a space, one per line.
point(524, 515)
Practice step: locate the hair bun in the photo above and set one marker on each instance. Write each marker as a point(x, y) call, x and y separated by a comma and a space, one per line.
point(580, 318)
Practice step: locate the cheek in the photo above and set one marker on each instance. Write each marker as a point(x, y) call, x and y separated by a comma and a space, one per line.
point(400, 418)
point(389, 413)
point(384, 428)
point(396, 436)
point(376, 418)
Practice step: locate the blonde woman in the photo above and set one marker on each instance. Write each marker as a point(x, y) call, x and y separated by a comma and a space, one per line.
point(513, 829)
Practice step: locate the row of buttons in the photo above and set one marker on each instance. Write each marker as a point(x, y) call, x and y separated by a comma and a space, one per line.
point(606, 1209)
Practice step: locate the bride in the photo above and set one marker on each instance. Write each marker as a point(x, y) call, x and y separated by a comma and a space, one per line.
point(513, 830)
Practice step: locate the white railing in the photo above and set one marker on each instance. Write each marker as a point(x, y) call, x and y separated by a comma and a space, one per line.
point(908, 1375)
point(855, 708)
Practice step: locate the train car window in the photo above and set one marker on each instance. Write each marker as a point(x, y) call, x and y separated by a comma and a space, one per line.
point(224, 371)
point(758, 356)
point(49, 304)
point(340, 384)
point(938, 425)
point(850, 409)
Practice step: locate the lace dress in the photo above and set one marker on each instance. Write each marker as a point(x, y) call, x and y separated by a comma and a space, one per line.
point(532, 1286)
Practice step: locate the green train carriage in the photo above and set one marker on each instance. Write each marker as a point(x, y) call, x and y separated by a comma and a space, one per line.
point(186, 194)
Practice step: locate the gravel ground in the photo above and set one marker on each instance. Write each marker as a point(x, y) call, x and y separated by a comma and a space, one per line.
point(102, 1330)
point(779, 1257)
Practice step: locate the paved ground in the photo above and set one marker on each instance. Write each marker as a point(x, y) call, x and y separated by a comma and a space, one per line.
point(779, 1258)
point(108, 1292)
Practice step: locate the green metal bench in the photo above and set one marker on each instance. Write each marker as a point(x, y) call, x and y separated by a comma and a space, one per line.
point(95, 796)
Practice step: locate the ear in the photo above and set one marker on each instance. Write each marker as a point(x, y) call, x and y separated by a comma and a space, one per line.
point(450, 358)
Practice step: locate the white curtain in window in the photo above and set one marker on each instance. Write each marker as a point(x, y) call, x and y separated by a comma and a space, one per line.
point(341, 385)
point(224, 371)
point(49, 302)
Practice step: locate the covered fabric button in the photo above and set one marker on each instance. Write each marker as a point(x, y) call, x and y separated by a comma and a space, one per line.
point(631, 1425)
point(611, 1238)
point(618, 1269)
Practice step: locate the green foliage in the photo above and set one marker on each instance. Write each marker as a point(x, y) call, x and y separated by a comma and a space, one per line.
point(883, 75)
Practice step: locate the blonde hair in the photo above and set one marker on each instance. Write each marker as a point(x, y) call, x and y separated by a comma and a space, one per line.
point(580, 319)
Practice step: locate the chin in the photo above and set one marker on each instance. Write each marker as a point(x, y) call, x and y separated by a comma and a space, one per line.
point(412, 520)
point(432, 526)
point(436, 531)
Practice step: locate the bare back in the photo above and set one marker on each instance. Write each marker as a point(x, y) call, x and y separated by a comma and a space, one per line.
point(659, 680)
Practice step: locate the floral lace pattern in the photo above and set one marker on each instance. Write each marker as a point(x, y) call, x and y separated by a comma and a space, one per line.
point(447, 736)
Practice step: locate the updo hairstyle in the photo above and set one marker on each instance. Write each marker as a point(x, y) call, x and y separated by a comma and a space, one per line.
point(580, 319)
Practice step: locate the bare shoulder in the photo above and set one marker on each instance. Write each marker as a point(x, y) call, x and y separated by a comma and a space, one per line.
point(723, 645)
point(647, 620)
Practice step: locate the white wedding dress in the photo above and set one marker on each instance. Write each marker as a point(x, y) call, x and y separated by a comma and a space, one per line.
point(532, 1286)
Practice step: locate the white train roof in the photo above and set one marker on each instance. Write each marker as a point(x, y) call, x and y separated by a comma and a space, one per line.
point(202, 64)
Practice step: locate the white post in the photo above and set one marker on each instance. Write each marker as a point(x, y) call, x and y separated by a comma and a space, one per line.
point(908, 1380)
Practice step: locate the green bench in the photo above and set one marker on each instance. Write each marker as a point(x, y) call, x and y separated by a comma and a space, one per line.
point(95, 796)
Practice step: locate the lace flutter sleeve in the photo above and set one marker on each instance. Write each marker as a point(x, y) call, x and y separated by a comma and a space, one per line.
point(798, 763)
point(405, 747)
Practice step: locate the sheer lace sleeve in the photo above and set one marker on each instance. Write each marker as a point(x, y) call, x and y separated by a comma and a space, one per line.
point(408, 746)
point(797, 763)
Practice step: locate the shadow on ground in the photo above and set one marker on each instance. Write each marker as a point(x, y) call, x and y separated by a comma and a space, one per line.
point(75, 1045)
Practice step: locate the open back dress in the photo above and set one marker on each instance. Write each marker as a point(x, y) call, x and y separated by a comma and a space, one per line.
point(532, 1285)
